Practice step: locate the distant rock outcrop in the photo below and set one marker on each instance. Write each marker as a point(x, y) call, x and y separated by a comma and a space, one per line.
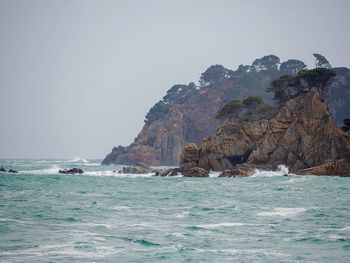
point(3, 170)
point(301, 135)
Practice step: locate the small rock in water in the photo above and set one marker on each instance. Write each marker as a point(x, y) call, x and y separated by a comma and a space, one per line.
point(168, 172)
point(71, 171)
point(2, 169)
point(12, 171)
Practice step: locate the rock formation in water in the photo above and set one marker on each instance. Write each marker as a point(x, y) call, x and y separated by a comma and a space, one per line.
point(302, 135)
point(187, 113)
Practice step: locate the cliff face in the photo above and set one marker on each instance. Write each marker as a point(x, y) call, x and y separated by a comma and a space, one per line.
point(192, 118)
point(301, 135)
point(162, 140)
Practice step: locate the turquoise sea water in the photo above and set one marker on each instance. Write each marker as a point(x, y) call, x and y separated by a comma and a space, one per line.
point(104, 217)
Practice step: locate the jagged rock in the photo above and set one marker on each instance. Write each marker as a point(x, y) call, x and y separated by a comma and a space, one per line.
point(196, 172)
point(2, 169)
point(12, 171)
point(71, 171)
point(138, 168)
point(301, 135)
point(337, 167)
point(168, 172)
point(189, 157)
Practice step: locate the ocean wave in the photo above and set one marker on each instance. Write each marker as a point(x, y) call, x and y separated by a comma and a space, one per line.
point(52, 170)
point(281, 171)
point(113, 173)
point(218, 225)
point(283, 212)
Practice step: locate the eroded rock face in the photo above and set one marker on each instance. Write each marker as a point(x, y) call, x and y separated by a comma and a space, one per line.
point(337, 167)
point(301, 135)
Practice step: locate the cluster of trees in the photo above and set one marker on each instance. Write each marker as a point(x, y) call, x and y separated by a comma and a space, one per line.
point(288, 87)
point(158, 111)
point(270, 63)
point(237, 109)
point(176, 94)
point(293, 78)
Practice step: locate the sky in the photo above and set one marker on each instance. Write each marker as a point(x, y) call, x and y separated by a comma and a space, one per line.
point(78, 77)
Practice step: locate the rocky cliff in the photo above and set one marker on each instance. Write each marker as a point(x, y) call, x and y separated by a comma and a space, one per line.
point(303, 134)
point(187, 113)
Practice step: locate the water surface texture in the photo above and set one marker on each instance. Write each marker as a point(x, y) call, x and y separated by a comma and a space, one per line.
point(105, 217)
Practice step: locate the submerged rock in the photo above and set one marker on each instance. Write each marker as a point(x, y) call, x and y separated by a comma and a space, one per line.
point(168, 172)
point(2, 169)
point(337, 167)
point(71, 171)
point(196, 172)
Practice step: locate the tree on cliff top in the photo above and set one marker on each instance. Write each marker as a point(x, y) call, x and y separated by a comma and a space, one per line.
point(321, 61)
point(178, 93)
point(268, 63)
point(288, 87)
point(319, 78)
point(292, 66)
point(214, 74)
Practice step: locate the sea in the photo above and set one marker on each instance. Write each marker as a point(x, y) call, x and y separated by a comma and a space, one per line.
point(103, 216)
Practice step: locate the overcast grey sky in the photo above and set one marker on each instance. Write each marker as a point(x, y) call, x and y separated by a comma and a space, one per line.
point(78, 77)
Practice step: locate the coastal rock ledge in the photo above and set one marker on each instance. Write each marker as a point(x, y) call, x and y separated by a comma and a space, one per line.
point(302, 136)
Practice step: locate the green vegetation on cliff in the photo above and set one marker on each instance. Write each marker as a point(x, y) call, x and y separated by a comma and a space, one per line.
point(288, 87)
point(249, 108)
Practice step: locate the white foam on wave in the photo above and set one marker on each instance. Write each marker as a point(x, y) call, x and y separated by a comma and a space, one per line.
point(51, 170)
point(283, 212)
point(214, 174)
point(182, 214)
point(120, 208)
point(281, 171)
point(233, 251)
point(115, 174)
point(230, 224)
point(347, 228)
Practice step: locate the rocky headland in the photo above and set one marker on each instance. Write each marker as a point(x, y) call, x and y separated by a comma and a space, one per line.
point(187, 114)
point(303, 136)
